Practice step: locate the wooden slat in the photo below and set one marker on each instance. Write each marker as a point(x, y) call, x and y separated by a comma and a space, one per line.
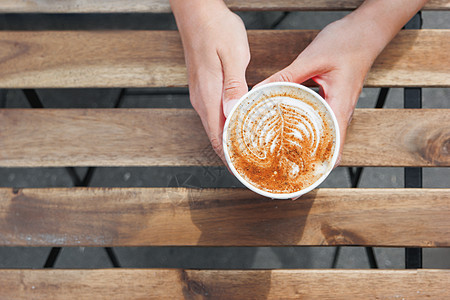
point(175, 137)
point(163, 6)
point(224, 284)
point(223, 217)
point(412, 140)
point(155, 58)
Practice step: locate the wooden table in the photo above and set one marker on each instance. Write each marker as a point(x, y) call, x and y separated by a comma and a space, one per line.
point(56, 217)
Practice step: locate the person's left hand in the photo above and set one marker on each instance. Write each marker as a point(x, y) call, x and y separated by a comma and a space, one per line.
point(337, 60)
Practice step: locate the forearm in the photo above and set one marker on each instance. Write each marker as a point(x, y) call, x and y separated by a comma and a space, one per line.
point(381, 20)
point(192, 13)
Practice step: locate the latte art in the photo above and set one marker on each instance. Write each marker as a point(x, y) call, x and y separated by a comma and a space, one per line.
point(280, 142)
point(274, 125)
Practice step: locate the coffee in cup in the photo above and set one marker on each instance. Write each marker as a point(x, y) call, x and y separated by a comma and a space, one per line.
point(281, 140)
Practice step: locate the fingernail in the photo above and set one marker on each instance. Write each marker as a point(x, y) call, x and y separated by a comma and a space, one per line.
point(228, 106)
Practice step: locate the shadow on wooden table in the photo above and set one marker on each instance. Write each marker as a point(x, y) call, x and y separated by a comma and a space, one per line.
point(239, 217)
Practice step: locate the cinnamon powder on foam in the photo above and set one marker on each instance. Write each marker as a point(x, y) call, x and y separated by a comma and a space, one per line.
point(273, 175)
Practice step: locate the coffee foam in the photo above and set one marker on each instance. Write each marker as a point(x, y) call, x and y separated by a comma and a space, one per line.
point(281, 139)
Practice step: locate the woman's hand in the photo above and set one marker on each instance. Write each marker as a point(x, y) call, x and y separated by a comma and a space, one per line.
point(338, 62)
point(217, 54)
point(341, 55)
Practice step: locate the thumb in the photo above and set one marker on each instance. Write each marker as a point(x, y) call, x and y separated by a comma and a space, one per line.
point(298, 71)
point(234, 87)
point(234, 83)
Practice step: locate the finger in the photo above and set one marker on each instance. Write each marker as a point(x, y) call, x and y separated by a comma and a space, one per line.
point(342, 98)
point(343, 124)
point(207, 94)
point(213, 124)
point(233, 90)
point(234, 82)
point(216, 143)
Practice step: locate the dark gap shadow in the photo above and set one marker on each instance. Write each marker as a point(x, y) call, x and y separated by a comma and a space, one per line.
point(92, 21)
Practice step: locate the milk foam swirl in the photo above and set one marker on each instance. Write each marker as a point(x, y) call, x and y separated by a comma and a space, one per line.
point(279, 143)
point(275, 124)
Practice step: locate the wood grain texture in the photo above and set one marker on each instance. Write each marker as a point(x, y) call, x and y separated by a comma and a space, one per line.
point(175, 137)
point(414, 58)
point(224, 284)
point(163, 6)
point(223, 217)
point(412, 138)
point(103, 137)
point(91, 59)
point(52, 59)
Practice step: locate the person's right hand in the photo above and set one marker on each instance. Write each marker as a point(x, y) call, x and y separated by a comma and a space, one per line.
point(217, 54)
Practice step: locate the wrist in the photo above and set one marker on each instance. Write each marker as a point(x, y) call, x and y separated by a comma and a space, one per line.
point(381, 20)
point(368, 31)
point(193, 15)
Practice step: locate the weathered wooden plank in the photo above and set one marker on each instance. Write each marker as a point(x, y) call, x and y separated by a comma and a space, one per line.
point(224, 284)
point(414, 58)
point(411, 139)
point(223, 217)
point(125, 137)
point(163, 6)
point(155, 58)
point(175, 137)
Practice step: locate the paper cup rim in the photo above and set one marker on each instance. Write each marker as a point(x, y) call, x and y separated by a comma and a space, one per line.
point(282, 195)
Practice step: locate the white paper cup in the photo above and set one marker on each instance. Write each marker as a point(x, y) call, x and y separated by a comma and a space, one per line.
point(264, 110)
